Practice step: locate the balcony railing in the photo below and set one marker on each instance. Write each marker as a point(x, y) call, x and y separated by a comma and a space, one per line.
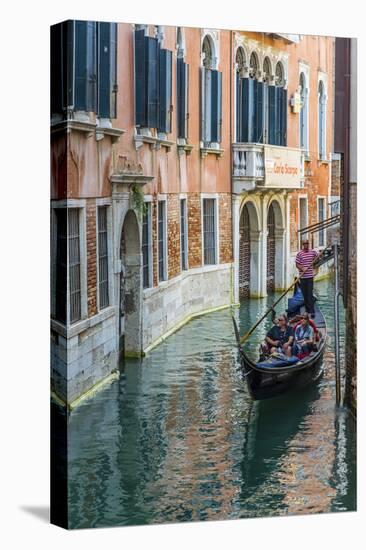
point(266, 166)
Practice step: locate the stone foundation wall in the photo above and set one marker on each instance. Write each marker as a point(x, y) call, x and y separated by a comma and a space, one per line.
point(85, 358)
point(175, 301)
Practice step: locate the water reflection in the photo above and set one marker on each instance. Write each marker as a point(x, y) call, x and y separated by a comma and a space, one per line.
point(177, 438)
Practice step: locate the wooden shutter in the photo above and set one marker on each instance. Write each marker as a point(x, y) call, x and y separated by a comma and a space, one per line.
point(113, 71)
point(202, 102)
point(182, 97)
point(245, 109)
point(91, 66)
point(140, 82)
point(104, 84)
point(272, 96)
point(260, 107)
point(80, 65)
point(251, 110)
point(56, 68)
point(216, 106)
point(284, 118)
point(238, 118)
point(186, 101)
point(152, 82)
point(254, 111)
point(69, 65)
point(165, 90)
point(278, 115)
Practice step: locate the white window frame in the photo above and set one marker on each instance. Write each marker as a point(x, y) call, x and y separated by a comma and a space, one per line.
point(80, 204)
point(108, 203)
point(214, 196)
point(162, 198)
point(304, 68)
point(148, 200)
point(322, 77)
point(184, 197)
point(213, 36)
point(318, 199)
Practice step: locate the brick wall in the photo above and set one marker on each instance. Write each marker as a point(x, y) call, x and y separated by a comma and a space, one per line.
point(154, 223)
point(91, 244)
point(244, 255)
point(337, 177)
point(351, 313)
point(271, 251)
point(194, 230)
point(173, 230)
point(226, 253)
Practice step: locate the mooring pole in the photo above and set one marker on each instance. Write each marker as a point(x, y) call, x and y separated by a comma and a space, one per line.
point(336, 326)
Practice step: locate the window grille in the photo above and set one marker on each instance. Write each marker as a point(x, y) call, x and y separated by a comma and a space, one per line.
point(74, 264)
point(146, 246)
point(209, 231)
point(61, 265)
point(103, 257)
point(161, 241)
point(183, 234)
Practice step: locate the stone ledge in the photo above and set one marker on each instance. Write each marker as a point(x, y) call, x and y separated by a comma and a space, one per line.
point(84, 324)
point(90, 128)
point(184, 148)
point(154, 142)
point(208, 151)
point(164, 285)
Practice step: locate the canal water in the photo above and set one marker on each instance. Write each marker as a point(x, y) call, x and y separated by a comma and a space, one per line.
point(177, 438)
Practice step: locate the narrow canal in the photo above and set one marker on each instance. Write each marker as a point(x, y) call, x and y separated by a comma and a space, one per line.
point(177, 437)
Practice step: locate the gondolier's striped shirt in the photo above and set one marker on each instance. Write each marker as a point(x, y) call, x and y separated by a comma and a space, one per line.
point(305, 259)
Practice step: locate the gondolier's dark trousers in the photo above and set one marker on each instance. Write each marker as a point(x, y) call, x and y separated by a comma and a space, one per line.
point(307, 291)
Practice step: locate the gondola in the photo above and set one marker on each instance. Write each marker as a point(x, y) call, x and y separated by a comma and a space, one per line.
point(274, 375)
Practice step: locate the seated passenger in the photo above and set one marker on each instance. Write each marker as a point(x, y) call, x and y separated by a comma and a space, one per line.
point(304, 337)
point(296, 321)
point(280, 337)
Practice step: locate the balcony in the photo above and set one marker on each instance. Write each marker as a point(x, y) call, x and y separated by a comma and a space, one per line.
point(257, 166)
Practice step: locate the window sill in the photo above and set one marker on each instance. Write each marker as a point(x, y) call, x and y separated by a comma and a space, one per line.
point(78, 327)
point(113, 133)
point(154, 142)
point(184, 148)
point(89, 128)
point(323, 161)
point(209, 151)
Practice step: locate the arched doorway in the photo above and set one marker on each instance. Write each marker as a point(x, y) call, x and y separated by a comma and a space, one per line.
point(271, 250)
point(248, 252)
point(130, 341)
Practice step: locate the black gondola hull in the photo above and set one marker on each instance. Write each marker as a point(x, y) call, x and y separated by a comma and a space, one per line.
point(263, 384)
point(269, 381)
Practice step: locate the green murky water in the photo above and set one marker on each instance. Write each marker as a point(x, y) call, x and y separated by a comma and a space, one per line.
point(177, 437)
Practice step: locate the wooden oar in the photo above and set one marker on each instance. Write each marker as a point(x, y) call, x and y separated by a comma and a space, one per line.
point(247, 334)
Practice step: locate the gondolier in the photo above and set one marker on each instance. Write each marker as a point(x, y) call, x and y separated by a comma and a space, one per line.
point(304, 260)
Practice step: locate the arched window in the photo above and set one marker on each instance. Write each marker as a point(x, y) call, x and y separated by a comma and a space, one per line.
point(240, 105)
point(266, 78)
point(211, 94)
point(321, 120)
point(303, 113)
point(278, 109)
point(207, 53)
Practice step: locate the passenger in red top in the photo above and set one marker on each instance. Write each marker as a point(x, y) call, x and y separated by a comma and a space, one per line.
point(304, 261)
